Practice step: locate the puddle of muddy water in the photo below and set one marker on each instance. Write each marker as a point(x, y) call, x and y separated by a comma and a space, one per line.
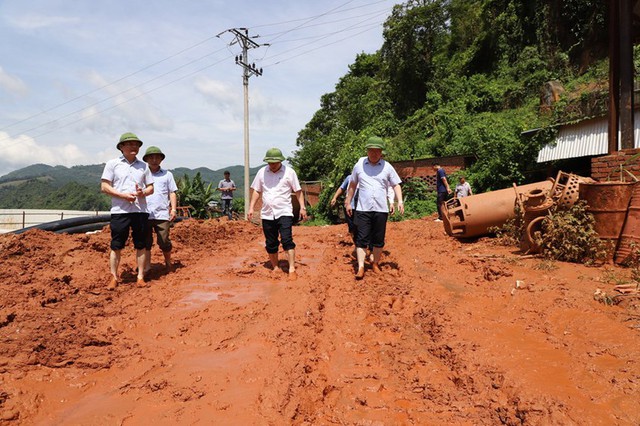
point(239, 292)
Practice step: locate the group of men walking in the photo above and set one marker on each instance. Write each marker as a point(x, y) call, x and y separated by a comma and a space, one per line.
point(144, 202)
point(372, 176)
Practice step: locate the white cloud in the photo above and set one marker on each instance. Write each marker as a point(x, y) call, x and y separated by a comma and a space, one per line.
point(124, 106)
point(220, 94)
point(11, 84)
point(23, 150)
point(262, 109)
point(33, 22)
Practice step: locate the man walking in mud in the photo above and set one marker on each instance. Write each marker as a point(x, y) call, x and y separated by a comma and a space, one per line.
point(128, 182)
point(373, 176)
point(162, 206)
point(275, 183)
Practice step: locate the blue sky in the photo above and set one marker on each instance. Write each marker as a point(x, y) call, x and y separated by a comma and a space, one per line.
point(76, 74)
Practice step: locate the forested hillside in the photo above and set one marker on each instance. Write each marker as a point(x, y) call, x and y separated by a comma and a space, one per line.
point(41, 186)
point(458, 77)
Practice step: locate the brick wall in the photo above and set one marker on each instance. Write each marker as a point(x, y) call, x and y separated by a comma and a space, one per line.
point(311, 191)
point(608, 167)
point(423, 169)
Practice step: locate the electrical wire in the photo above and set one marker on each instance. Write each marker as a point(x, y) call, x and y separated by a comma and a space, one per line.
point(53, 108)
point(127, 100)
point(369, 28)
point(119, 93)
point(315, 16)
point(303, 25)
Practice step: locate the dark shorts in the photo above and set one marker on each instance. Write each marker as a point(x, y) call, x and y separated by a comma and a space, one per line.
point(161, 229)
point(371, 228)
point(120, 225)
point(282, 227)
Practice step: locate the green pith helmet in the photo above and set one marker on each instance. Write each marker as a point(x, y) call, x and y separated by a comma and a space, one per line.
point(128, 137)
point(152, 150)
point(375, 142)
point(273, 155)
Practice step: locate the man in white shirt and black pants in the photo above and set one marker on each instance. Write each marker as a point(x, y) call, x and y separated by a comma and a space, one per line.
point(373, 177)
point(275, 183)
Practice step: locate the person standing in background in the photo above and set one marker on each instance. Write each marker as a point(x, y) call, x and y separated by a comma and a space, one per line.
point(227, 186)
point(463, 189)
point(442, 188)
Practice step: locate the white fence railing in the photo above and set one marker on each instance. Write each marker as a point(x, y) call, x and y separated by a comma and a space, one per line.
point(14, 219)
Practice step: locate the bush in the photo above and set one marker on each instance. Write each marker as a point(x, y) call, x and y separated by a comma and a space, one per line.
point(419, 200)
point(569, 236)
point(512, 232)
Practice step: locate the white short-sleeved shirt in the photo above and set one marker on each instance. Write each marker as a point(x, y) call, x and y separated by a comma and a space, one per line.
point(226, 184)
point(123, 177)
point(276, 189)
point(373, 182)
point(463, 190)
point(158, 203)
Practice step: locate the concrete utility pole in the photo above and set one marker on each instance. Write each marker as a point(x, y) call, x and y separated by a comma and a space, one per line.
point(243, 39)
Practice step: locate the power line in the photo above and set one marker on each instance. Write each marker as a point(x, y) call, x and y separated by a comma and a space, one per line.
point(118, 94)
point(53, 108)
point(372, 26)
point(361, 24)
point(311, 18)
point(375, 13)
point(123, 102)
point(303, 25)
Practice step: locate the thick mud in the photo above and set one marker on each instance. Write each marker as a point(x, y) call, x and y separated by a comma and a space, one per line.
point(465, 333)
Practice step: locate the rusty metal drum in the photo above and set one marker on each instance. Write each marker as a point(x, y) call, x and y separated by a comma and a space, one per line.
point(630, 236)
point(476, 215)
point(608, 203)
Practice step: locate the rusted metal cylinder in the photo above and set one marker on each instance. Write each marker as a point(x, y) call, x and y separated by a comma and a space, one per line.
point(608, 202)
point(475, 215)
point(630, 237)
point(529, 234)
point(535, 204)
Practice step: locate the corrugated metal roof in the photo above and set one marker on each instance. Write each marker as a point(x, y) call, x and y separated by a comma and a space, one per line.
point(584, 139)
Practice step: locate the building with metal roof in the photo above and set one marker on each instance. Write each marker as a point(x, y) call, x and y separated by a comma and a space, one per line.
point(587, 138)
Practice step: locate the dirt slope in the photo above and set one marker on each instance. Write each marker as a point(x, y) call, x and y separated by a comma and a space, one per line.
point(442, 337)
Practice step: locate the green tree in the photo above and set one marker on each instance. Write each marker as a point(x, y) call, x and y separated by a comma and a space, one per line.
point(195, 193)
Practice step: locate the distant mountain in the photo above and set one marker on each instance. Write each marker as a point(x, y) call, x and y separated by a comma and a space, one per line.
point(41, 186)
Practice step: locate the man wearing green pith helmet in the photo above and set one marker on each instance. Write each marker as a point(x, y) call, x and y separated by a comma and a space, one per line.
point(373, 177)
point(128, 182)
point(162, 207)
point(275, 183)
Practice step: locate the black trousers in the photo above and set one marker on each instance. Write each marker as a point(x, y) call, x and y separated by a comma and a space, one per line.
point(371, 228)
point(281, 226)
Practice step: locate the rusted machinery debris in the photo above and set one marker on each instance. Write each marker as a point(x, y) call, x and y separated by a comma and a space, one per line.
point(614, 205)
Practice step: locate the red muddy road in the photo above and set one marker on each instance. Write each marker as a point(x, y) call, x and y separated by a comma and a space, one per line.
point(443, 336)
